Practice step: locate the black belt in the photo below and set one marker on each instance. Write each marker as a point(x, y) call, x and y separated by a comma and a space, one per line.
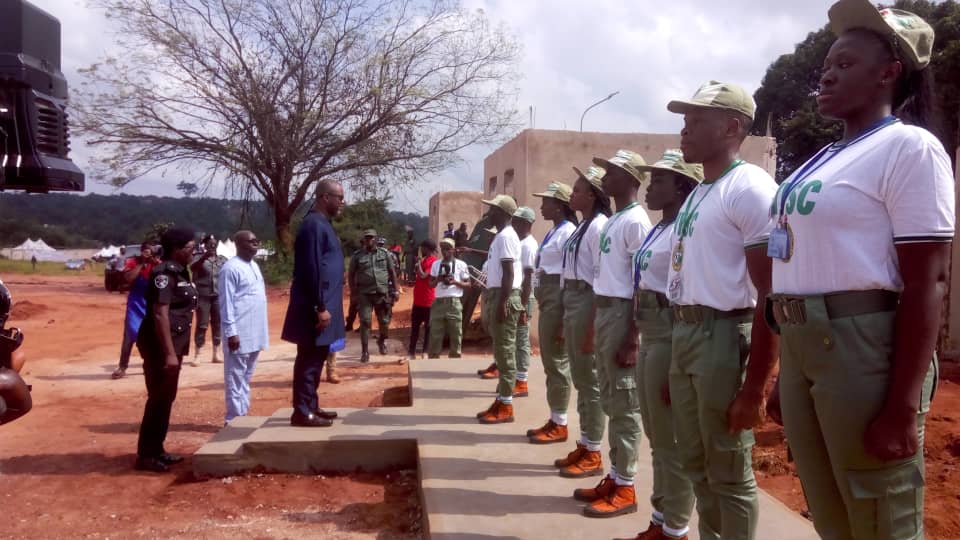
point(610, 301)
point(576, 284)
point(549, 278)
point(792, 309)
point(697, 314)
point(662, 300)
point(446, 299)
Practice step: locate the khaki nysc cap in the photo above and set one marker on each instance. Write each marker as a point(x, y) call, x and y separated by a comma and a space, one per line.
point(558, 191)
point(369, 232)
point(627, 161)
point(717, 95)
point(594, 175)
point(525, 213)
point(672, 160)
point(503, 202)
point(448, 242)
point(912, 36)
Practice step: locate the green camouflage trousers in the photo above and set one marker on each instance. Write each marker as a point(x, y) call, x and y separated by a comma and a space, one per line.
point(446, 318)
point(578, 306)
point(523, 340)
point(553, 353)
point(370, 303)
point(504, 334)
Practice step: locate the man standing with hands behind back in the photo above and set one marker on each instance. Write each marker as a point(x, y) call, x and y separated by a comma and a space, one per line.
point(315, 314)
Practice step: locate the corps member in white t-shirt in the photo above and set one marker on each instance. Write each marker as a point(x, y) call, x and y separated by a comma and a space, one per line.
point(502, 307)
point(450, 277)
point(616, 338)
point(858, 286)
point(671, 181)
point(718, 272)
point(580, 256)
point(555, 207)
point(522, 223)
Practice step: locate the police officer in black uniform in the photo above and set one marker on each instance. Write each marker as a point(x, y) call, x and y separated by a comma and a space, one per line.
point(163, 341)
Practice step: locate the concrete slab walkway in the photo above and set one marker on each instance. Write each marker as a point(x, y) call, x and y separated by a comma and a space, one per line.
point(478, 482)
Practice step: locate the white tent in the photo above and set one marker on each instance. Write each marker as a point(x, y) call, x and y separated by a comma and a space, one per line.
point(39, 249)
point(227, 248)
point(107, 252)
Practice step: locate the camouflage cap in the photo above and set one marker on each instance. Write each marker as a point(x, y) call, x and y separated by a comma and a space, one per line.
point(558, 191)
point(672, 160)
point(717, 95)
point(503, 202)
point(594, 175)
point(912, 36)
point(370, 232)
point(627, 161)
point(525, 213)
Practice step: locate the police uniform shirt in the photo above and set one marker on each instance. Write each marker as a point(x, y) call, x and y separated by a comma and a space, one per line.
point(621, 237)
point(460, 273)
point(720, 223)
point(895, 186)
point(551, 252)
point(583, 264)
point(169, 284)
point(208, 280)
point(652, 265)
point(373, 270)
point(505, 247)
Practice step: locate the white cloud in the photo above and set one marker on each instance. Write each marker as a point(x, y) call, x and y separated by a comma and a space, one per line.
point(575, 52)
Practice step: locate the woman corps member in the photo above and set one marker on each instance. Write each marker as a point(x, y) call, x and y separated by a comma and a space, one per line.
point(549, 294)
point(860, 256)
point(581, 254)
point(671, 181)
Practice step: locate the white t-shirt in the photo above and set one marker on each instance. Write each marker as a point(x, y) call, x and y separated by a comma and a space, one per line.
point(551, 252)
point(895, 186)
point(720, 222)
point(528, 252)
point(620, 238)
point(505, 247)
point(460, 273)
point(651, 265)
point(583, 264)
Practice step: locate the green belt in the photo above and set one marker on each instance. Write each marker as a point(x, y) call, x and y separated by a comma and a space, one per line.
point(576, 284)
point(445, 300)
point(550, 279)
point(610, 301)
point(661, 299)
point(697, 314)
point(792, 309)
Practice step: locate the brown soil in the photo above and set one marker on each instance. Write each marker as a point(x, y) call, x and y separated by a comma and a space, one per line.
point(66, 468)
point(942, 451)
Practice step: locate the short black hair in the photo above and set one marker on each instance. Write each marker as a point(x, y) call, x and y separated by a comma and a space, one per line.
point(175, 238)
point(429, 244)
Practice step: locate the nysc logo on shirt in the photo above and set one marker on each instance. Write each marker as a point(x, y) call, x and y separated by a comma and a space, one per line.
point(685, 223)
point(644, 259)
point(800, 199)
point(604, 243)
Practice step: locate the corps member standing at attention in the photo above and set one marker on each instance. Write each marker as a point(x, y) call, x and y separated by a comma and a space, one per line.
point(502, 307)
point(522, 223)
point(718, 273)
point(859, 272)
point(615, 336)
point(581, 254)
point(671, 181)
point(549, 294)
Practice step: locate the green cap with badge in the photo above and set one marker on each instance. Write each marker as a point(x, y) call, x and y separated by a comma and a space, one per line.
point(558, 191)
point(525, 213)
point(370, 232)
point(503, 202)
point(672, 160)
point(594, 175)
point(626, 160)
point(911, 35)
point(717, 95)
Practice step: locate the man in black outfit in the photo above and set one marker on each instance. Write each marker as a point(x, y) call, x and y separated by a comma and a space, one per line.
point(315, 314)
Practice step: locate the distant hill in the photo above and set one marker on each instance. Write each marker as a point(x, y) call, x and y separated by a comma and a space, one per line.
point(72, 221)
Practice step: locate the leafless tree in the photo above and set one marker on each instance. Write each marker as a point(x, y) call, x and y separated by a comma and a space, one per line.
point(275, 95)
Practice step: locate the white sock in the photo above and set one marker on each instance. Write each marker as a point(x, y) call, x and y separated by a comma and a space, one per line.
point(559, 419)
point(522, 376)
point(508, 400)
point(593, 447)
point(621, 481)
point(675, 533)
point(613, 472)
point(656, 518)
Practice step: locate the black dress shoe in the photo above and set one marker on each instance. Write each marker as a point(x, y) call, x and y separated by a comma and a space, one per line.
point(329, 415)
point(382, 346)
point(364, 357)
point(170, 459)
point(310, 420)
point(151, 464)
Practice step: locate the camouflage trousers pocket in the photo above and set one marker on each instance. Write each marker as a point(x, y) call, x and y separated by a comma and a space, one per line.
point(888, 502)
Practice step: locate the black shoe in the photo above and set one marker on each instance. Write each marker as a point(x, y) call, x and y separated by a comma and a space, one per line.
point(364, 357)
point(119, 373)
point(329, 415)
point(151, 464)
point(310, 420)
point(170, 459)
point(383, 347)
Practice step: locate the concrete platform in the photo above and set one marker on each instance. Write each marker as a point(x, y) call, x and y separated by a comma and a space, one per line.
point(478, 482)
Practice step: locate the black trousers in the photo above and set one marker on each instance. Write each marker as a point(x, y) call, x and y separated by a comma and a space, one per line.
point(208, 314)
point(162, 385)
point(420, 316)
point(306, 376)
point(352, 311)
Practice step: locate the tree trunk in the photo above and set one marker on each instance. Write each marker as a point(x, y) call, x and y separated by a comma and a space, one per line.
point(281, 225)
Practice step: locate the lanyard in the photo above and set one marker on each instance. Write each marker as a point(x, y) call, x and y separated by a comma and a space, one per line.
point(571, 243)
point(546, 238)
point(647, 242)
point(687, 212)
point(830, 151)
point(606, 226)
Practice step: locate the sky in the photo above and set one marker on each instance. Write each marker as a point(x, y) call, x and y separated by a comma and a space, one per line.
point(574, 54)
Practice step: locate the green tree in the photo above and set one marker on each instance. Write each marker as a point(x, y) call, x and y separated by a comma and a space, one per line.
point(786, 105)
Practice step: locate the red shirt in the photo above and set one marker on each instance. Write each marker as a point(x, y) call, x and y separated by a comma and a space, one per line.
point(423, 293)
point(132, 263)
